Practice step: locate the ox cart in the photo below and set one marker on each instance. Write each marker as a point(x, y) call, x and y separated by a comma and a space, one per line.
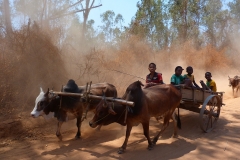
point(208, 104)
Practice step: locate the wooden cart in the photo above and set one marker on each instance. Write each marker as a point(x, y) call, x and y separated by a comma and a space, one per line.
point(208, 104)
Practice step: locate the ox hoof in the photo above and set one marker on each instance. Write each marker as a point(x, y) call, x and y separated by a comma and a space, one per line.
point(174, 136)
point(121, 151)
point(155, 141)
point(59, 137)
point(77, 137)
point(150, 147)
point(98, 128)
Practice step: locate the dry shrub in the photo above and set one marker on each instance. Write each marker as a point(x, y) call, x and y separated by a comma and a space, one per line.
point(29, 60)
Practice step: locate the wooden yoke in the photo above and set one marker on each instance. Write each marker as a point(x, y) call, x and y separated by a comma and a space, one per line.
point(121, 101)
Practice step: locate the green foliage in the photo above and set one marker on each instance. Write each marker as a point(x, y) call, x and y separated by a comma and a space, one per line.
point(163, 23)
point(112, 28)
point(185, 18)
point(235, 11)
point(160, 23)
point(151, 23)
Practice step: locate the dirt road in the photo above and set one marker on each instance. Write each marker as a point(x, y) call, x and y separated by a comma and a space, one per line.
point(40, 142)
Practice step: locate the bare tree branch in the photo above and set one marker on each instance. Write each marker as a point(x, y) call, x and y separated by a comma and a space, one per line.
point(72, 5)
point(92, 4)
point(7, 16)
point(73, 12)
point(43, 10)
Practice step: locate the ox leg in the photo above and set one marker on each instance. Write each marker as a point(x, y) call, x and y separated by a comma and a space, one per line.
point(58, 134)
point(237, 91)
point(146, 133)
point(175, 125)
point(155, 139)
point(165, 125)
point(233, 91)
point(79, 123)
point(124, 146)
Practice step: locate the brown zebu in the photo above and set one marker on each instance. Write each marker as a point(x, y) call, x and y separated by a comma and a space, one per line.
point(150, 102)
point(66, 106)
point(234, 82)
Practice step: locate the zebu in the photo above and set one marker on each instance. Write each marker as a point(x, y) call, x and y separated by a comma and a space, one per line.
point(150, 102)
point(65, 107)
point(234, 82)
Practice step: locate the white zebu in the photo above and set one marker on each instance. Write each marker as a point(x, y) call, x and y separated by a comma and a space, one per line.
point(47, 105)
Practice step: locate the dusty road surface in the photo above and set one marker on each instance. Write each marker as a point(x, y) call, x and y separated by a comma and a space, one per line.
point(38, 141)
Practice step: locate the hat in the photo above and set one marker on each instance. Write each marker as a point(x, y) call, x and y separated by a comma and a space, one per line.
point(178, 67)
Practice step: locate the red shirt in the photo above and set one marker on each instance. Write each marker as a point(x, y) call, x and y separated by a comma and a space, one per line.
point(157, 78)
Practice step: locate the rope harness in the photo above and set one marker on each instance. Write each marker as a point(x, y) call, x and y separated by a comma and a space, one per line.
point(87, 100)
point(109, 114)
point(126, 110)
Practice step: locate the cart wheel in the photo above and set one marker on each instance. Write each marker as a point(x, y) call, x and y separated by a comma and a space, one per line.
point(210, 113)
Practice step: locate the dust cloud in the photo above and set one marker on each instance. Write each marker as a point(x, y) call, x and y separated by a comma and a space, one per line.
point(31, 59)
point(130, 61)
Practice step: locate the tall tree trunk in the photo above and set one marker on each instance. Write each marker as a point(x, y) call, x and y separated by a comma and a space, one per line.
point(184, 28)
point(85, 17)
point(7, 17)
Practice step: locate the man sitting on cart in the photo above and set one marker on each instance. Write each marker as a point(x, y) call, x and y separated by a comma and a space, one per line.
point(153, 78)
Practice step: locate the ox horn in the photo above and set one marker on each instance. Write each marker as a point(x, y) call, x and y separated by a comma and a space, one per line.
point(46, 94)
point(41, 90)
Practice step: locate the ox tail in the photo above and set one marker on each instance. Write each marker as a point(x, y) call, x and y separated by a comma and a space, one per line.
point(177, 117)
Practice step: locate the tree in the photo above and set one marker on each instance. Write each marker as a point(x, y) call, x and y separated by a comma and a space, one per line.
point(47, 13)
point(234, 11)
point(186, 19)
point(7, 16)
point(112, 27)
point(215, 20)
point(151, 23)
point(85, 12)
point(164, 23)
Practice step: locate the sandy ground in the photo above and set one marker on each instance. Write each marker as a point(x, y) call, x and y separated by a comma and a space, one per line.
point(40, 142)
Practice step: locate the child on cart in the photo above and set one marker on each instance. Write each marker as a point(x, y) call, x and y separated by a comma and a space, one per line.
point(190, 76)
point(210, 84)
point(153, 78)
point(177, 78)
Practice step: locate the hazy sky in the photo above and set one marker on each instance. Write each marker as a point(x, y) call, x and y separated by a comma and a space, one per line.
point(127, 8)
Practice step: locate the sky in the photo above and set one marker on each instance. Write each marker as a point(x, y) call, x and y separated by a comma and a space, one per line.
point(127, 8)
